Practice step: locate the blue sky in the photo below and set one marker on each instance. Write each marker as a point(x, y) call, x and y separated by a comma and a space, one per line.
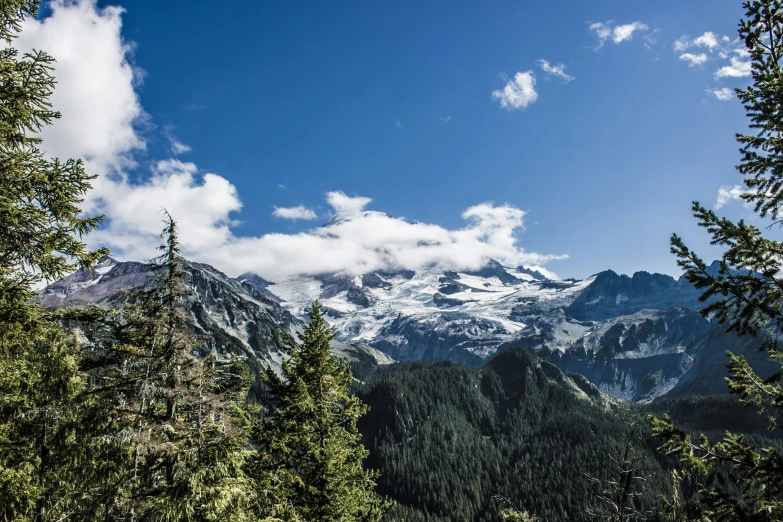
point(393, 101)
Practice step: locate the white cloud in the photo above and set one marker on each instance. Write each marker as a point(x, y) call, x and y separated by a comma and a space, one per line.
point(682, 43)
point(96, 93)
point(693, 59)
point(95, 83)
point(201, 204)
point(362, 242)
point(298, 212)
point(617, 33)
point(343, 204)
point(518, 93)
point(726, 194)
point(708, 40)
point(724, 94)
point(737, 69)
point(375, 241)
point(555, 70)
point(446, 119)
point(723, 47)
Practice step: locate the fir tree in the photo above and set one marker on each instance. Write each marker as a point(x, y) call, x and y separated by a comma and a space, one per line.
point(178, 409)
point(738, 481)
point(309, 446)
point(40, 238)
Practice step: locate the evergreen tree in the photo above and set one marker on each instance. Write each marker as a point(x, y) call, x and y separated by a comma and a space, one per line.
point(178, 414)
point(309, 446)
point(736, 480)
point(40, 238)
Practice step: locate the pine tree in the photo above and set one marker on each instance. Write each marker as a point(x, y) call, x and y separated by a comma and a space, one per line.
point(310, 447)
point(736, 480)
point(179, 428)
point(40, 238)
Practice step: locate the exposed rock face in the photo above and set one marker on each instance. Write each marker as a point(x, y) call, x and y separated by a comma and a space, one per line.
point(611, 295)
point(236, 316)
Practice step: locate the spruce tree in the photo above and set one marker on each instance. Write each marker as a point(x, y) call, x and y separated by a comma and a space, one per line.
point(310, 450)
point(736, 480)
point(40, 239)
point(179, 436)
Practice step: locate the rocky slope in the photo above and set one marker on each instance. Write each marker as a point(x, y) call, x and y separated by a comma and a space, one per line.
point(236, 315)
point(634, 337)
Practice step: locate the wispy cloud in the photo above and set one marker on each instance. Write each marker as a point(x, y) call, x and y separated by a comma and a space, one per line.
point(717, 48)
point(177, 147)
point(398, 124)
point(555, 70)
point(608, 31)
point(281, 186)
point(294, 213)
point(518, 92)
point(724, 94)
point(445, 119)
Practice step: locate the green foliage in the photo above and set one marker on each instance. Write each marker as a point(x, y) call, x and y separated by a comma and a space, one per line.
point(178, 436)
point(309, 445)
point(447, 439)
point(39, 198)
point(738, 480)
point(41, 414)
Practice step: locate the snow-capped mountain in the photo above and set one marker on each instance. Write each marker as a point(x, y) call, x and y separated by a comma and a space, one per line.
point(431, 315)
point(237, 316)
point(634, 337)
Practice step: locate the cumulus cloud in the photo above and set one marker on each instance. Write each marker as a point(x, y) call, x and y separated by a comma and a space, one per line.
point(724, 94)
point(555, 70)
point(727, 194)
point(371, 241)
point(363, 241)
point(101, 113)
point(693, 59)
point(95, 83)
point(298, 212)
point(708, 40)
point(615, 33)
point(518, 92)
point(737, 68)
point(343, 204)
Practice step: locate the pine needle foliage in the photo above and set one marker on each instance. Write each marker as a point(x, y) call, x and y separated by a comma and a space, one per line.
point(180, 430)
point(736, 480)
point(41, 420)
point(309, 447)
